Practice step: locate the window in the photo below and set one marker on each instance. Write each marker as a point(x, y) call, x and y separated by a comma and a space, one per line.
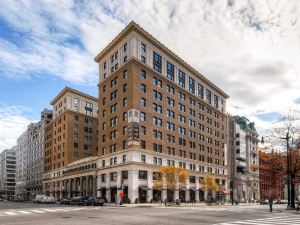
point(143, 144)
point(170, 126)
point(125, 59)
point(157, 121)
point(125, 174)
point(125, 74)
point(143, 47)
point(143, 174)
point(143, 59)
point(143, 158)
point(157, 95)
point(143, 74)
point(124, 158)
point(76, 100)
point(125, 47)
point(191, 85)
point(143, 116)
point(170, 71)
point(170, 101)
point(208, 96)
point(216, 101)
point(143, 102)
point(157, 62)
point(157, 108)
point(181, 95)
point(157, 148)
point(124, 88)
point(75, 145)
point(170, 114)
point(125, 102)
point(181, 78)
point(200, 91)
point(143, 88)
point(113, 176)
point(157, 82)
point(143, 130)
point(171, 89)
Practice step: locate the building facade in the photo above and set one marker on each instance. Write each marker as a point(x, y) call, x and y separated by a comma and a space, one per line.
point(8, 173)
point(154, 110)
point(30, 158)
point(71, 135)
point(243, 160)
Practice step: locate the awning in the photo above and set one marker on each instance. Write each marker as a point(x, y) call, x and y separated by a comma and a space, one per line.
point(193, 189)
point(182, 189)
point(144, 188)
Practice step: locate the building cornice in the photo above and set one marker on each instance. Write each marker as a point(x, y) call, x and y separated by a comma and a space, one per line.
point(68, 89)
point(134, 27)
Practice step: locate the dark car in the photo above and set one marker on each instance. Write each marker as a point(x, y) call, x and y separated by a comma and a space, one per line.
point(78, 200)
point(65, 202)
point(94, 202)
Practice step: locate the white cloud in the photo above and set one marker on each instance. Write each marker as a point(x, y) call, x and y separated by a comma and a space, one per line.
point(249, 48)
point(13, 122)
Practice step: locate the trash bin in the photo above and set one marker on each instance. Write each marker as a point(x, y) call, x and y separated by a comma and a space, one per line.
point(177, 201)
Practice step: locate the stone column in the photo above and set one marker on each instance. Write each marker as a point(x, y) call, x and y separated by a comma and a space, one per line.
point(187, 191)
point(133, 185)
point(61, 196)
point(81, 186)
point(87, 186)
point(94, 185)
point(107, 188)
point(150, 185)
point(197, 190)
point(119, 179)
point(176, 194)
point(70, 188)
point(164, 195)
point(99, 193)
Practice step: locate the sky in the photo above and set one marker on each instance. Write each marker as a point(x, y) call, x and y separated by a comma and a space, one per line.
point(250, 49)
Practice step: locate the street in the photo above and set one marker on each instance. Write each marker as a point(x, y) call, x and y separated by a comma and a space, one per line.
point(28, 213)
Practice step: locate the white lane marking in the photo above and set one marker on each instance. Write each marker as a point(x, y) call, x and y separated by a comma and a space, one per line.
point(10, 213)
point(24, 212)
point(37, 211)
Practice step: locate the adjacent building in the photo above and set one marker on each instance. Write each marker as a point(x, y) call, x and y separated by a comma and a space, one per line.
point(243, 160)
point(71, 135)
point(30, 158)
point(7, 173)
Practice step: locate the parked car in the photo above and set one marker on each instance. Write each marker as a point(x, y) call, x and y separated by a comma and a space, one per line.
point(38, 198)
point(65, 202)
point(94, 202)
point(78, 200)
point(48, 200)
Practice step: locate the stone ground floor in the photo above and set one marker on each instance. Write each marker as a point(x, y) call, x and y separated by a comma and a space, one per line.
point(133, 183)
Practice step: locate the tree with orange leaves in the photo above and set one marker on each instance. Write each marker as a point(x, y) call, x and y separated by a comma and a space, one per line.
point(271, 164)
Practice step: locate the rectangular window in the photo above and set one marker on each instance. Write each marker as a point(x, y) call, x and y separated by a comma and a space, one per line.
point(208, 96)
point(143, 47)
point(191, 85)
point(157, 62)
point(170, 71)
point(143, 59)
point(181, 78)
point(125, 47)
point(143, 88)
point(143, 74)
point(143, 174)
point(216, 101)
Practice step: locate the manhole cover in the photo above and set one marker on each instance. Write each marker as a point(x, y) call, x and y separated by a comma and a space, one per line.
point(66, 217)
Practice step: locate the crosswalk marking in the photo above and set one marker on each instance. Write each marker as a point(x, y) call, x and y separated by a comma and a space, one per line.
point(282, 220)
point(10, 213)
point(37, 211)
point(24, 212)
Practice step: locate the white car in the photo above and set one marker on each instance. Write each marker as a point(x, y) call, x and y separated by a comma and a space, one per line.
point(38, 198)
point(47, 199)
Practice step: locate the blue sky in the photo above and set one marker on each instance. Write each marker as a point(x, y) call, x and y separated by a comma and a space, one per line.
point(250, 49)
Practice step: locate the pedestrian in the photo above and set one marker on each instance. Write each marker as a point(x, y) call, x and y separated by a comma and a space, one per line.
point(271, 204)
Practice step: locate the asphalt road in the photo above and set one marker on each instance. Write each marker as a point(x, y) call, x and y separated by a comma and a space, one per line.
point(28, 213)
